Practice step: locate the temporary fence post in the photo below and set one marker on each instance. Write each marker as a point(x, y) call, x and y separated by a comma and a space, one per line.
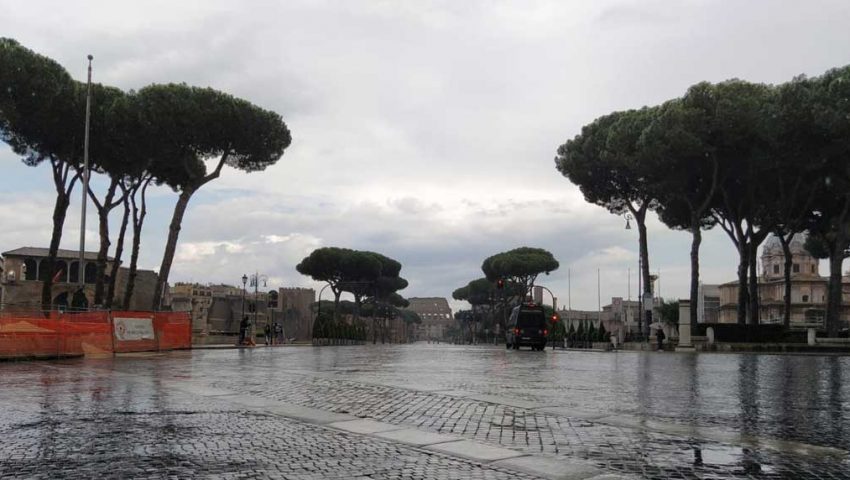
point(111, 330)
point(156, 335)
point(60, 335)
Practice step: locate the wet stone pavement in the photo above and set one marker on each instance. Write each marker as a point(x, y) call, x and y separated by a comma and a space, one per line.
point(240, 414)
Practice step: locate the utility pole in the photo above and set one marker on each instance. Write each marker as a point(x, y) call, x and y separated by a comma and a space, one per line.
point(82, 268)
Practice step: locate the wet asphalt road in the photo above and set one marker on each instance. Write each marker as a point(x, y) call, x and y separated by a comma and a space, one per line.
point(649, 415)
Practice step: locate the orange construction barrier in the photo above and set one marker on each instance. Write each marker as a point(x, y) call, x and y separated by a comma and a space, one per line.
point(174, 330)
point(58, 334)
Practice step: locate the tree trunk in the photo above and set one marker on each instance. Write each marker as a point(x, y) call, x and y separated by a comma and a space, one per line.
point(833, 305)
point(337, 294)
point(753, 283)
point(174, 229)
point(640, 219)
point(696, 232)
point(139, 214)
point(119, 252)
point(743, 297)
point(103, 229)
point(357, 301)
point(170, 246)
point(60, 209)
point(786, 297)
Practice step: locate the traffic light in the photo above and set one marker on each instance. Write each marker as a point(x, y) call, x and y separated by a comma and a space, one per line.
point(500, 284)
point(555, 318)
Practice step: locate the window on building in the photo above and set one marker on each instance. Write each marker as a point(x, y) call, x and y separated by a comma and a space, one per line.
point(796, 268)
point(815, 316)
point(60, 271)
point(776, 269)
point(805, 299)
point(813, 269)
point(31, 269)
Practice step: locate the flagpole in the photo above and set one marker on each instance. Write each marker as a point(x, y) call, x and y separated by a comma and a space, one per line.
point(82, 271)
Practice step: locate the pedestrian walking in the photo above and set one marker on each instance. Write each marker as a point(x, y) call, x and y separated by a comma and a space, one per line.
point(659, 335)
point(243, 327)
point(268, 331)
point(278, 330)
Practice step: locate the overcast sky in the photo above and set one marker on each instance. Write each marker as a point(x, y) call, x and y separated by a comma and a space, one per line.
point(422, 130)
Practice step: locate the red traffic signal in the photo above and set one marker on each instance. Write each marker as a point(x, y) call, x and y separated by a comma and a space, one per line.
point(500, 284)
point(555, 318)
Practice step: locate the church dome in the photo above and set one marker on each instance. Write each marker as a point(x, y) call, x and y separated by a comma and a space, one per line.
point(773, 246)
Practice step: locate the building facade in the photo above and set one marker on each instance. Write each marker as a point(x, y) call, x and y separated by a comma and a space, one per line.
point(295, 308)
point(25, 269)
point(808, 288)
point(436, 317)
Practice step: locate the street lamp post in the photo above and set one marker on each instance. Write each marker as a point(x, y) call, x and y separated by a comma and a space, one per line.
point(640, 278)
point(554, 307)
point(242, 316)
point(255, 282)
point(318, 309)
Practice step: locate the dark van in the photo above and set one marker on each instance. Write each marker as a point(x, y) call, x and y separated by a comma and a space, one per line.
point(527, 327)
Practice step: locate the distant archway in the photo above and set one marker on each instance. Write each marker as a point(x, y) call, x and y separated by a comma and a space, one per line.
point(74, 272)
point(79, 301)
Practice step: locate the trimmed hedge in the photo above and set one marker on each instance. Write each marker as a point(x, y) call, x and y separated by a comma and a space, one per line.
point(735, 333)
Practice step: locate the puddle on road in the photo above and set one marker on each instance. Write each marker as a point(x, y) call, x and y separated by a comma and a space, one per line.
point(721, 456)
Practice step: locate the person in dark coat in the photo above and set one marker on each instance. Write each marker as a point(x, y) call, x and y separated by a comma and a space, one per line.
point(243, 328)
point(659, 335)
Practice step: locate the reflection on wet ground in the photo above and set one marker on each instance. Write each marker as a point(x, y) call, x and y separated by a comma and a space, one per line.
point(655, 415)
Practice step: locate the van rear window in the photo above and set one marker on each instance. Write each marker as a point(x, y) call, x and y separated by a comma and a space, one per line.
point(531, 318)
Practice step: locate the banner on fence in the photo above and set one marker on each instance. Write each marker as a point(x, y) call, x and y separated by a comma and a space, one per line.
point(133, 328)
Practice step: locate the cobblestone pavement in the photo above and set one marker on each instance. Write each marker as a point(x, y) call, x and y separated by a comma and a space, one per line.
point(61, 423)
point(652, 415)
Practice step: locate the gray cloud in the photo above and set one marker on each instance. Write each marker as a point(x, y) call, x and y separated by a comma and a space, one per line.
point(423, 130)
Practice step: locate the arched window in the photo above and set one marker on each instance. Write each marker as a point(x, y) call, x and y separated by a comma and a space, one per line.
point(31, 268)
point(74, 272)
point(91, 273)
point(60, 271)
